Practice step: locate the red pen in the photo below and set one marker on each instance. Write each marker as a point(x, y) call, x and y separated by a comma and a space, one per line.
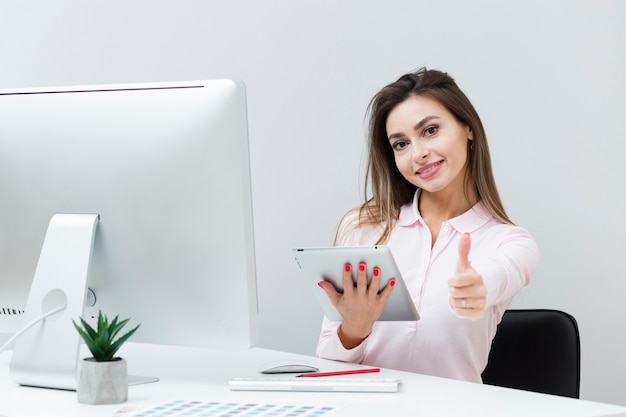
point(336, 373)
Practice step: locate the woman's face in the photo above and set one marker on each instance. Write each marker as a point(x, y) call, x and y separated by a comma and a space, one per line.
point(429, 144)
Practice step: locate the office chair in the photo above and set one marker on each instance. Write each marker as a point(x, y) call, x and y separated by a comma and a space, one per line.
point(536, 350)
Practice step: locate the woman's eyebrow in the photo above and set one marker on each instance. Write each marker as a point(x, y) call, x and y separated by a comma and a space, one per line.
point(418, 126)
point(425, 120)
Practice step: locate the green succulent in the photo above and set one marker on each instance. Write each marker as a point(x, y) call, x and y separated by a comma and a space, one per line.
point(100, 342)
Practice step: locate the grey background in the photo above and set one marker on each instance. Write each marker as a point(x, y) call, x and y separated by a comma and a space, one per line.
point(547, 77)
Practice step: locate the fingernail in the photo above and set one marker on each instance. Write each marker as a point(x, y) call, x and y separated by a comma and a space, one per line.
point(466, 233)
point(376, 272)
point(361, 267)
point(347, 268)
point(392, 282)
point(319, 284)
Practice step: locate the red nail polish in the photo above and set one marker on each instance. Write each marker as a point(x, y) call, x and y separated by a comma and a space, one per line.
point(347, 268)
point(361, 267)
point(392, 282)
point(376, 272)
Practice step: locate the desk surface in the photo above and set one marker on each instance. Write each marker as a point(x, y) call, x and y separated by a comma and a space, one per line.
point(203, 374)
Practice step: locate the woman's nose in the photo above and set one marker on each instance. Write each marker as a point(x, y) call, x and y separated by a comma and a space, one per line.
point(420, 152)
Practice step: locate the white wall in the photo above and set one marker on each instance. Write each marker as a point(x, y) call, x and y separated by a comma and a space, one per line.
point(548, 78)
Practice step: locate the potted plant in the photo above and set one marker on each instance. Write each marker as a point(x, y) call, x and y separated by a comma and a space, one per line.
point(103, 378)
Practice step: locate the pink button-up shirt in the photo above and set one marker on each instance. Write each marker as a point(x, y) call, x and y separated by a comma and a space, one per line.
point(440, 343)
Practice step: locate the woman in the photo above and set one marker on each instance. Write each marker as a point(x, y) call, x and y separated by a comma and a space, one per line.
point(435, 203)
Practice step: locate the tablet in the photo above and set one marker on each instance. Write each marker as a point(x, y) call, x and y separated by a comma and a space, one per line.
point(327, 263)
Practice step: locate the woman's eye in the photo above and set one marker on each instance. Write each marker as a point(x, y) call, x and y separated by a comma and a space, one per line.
point(399, 145)
point(430, 130)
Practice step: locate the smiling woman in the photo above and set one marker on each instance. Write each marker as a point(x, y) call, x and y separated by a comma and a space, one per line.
point(432, 155)
point(436, 144)
point(433, 199)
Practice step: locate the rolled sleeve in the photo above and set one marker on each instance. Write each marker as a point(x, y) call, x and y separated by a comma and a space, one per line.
point(330, 346)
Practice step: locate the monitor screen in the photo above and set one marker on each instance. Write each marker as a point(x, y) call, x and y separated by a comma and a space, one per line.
point(166, 168)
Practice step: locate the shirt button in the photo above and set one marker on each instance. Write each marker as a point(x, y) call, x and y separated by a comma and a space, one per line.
point(446, 228)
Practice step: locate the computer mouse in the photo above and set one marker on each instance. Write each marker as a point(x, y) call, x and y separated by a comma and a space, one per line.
point(287, 366)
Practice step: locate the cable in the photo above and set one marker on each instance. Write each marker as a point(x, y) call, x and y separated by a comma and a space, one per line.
point(29, 325)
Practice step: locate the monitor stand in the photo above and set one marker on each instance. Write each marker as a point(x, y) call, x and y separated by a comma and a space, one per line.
point(47, 354)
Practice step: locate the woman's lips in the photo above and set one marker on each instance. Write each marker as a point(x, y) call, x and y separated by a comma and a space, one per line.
point(429, 170)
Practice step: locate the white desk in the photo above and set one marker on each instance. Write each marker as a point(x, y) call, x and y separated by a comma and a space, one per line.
point(202, 374)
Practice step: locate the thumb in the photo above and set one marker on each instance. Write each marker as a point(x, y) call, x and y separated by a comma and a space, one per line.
point(330, 291)
point(464, 248)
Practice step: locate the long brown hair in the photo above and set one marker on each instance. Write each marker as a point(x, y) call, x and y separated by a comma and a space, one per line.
point(390, 190)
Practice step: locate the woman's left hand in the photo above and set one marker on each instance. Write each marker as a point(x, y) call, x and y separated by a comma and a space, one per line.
point(468, 294)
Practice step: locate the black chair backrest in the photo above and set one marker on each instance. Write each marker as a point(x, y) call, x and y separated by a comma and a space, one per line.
point(536, 350)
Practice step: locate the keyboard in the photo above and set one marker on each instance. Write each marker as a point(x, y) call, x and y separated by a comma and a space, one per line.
point(331, 384)
point(184, 408)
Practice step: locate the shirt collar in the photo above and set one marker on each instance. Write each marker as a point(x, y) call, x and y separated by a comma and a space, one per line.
point(468, 222)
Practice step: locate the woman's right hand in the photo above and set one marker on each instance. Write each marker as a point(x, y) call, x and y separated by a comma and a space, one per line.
point(360, 304)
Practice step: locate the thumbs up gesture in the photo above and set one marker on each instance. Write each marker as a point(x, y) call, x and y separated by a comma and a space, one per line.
point(468, 294)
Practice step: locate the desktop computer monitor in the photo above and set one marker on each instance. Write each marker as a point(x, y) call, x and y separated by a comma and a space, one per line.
point(165, 168)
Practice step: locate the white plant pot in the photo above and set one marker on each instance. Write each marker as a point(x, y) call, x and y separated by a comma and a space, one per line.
point(102, 382)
